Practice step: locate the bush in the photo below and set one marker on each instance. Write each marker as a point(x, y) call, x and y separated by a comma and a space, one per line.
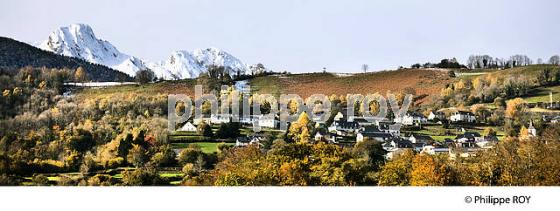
point(228, 130)
point(451, 74)
point(190, 170)
point(66, 181)
point(48, 166)
point(500, 102)
point(145, 76)
point(7, 180)
point(204, 129)
point(82, 141)
point(190, 155)
point(165, 157)
point(223, 147)
point(137, 156)
point(115, 162)
point(40, 180)
point(99, 180)
point(142, 176)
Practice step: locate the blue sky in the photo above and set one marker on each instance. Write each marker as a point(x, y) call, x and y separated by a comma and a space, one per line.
point(303, 36)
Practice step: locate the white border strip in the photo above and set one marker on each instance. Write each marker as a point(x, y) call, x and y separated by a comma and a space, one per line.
point(271, 198)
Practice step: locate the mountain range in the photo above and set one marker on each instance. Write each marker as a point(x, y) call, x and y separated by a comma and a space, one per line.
point(79, 41)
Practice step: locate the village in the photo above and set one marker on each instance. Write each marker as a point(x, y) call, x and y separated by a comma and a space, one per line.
point(395, 135)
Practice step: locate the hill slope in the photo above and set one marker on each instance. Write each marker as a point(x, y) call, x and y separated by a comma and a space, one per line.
point(425, 82)
point(15, 55)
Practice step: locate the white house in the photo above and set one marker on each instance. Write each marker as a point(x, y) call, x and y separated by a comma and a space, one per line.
point(396, 146)
point(438, 115)
point(468, 140)
point(188, 127)
point(320, 117)
point(412, 118)
point(555, 119)
point(432, 150)
point(363, 120)
point(380, 137)
point(419, 138)
point(268, 121)
point(463, 116)
point(463, 152)
point(246, 120)
point(262, 120)
point(320, 137)
point(339, 116)
point(390, 127)
point(487, 142)
point(202, 118)
point(249, 140)
point(343, 127)
point(373, 133)
point(220, 118)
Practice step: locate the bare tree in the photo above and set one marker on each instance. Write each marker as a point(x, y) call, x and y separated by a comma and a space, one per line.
point(555, 60)
point(365, 67)
point(481, 61)
point(520, 60)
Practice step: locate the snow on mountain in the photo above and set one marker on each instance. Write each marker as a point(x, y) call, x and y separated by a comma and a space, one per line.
point(217, 57)
point(78, 40)
point(185, 64)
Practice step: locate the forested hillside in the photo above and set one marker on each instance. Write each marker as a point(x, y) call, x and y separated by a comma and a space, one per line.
point(15, 55)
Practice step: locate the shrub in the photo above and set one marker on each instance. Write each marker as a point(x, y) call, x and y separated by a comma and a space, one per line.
point(142, 176)
point(40, 180)
point(165, 157)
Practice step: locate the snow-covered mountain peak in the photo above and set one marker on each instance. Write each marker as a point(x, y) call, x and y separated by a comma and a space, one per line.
point(189, 64)
point(79, 40)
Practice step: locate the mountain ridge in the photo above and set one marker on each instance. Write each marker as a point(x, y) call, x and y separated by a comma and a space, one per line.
point(79, 40)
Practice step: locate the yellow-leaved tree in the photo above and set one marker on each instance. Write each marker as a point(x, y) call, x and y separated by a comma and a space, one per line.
point(300, 130)
point(427, 170)
point(80, 75)
point(515, 107)
point(396, 172)
point(523, 132)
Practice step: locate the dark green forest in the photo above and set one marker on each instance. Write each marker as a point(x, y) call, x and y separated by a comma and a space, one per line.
point(15, 54)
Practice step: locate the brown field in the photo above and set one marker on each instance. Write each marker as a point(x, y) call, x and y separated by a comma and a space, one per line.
point(425, 82)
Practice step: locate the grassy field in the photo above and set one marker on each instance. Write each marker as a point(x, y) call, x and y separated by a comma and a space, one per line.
point(542, 94)
point(436, 132)
point(467, 74)
point(185, 86)
point(539, 94)
point(442, 138)
point(530, 71)
point(206, 147)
